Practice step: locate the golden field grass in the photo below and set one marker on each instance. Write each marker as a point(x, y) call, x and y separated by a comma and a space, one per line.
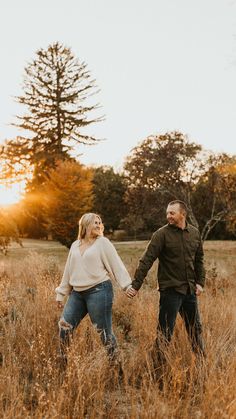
point(32, 384)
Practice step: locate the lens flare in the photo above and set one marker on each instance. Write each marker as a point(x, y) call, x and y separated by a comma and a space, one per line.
point(10, 194)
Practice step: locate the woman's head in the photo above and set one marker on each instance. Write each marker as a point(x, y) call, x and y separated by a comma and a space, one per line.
point(90, 225)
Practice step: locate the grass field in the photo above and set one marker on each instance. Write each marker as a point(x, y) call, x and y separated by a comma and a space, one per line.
point(32, 384)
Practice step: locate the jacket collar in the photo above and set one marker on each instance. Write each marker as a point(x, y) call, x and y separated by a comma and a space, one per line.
point(174, 227)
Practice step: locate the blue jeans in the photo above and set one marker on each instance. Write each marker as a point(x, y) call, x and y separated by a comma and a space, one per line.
point(97, 302)
point(172, 303)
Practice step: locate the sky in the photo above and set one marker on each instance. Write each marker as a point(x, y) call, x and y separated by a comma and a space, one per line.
point(160, 65)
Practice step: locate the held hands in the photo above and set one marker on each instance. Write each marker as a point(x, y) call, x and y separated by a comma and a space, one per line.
point(131, 292)
point(198, 290)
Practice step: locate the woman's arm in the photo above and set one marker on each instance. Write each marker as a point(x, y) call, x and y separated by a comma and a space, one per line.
point(114, 264)
point(64, 287)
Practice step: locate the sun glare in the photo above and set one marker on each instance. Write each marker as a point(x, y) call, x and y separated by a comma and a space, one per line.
point(11, 194)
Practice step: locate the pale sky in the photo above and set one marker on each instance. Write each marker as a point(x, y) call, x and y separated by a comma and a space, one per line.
point(161, 65)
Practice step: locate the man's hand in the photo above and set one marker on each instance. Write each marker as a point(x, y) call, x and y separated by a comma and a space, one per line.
point(198, 290)
point(131, 292)
point(60, 305)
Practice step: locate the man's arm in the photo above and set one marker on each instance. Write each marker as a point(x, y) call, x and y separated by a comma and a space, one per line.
point(199, 266)
point(151, 254)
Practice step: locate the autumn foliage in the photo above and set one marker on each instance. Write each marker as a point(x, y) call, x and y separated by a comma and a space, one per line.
point(67, 195)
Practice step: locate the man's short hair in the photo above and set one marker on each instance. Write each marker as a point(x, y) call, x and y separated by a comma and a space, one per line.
point(182, 205)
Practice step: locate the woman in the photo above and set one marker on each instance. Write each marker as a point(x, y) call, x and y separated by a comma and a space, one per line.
point(91, 263)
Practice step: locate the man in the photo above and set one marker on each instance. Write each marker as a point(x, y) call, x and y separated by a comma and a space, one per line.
point(181, 274)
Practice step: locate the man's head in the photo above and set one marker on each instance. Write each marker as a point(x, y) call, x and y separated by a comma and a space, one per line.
point(176, 213)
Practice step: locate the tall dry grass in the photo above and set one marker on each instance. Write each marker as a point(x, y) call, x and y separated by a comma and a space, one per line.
point(33, 385)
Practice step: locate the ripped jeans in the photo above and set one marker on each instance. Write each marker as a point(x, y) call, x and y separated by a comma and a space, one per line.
point(97, 302)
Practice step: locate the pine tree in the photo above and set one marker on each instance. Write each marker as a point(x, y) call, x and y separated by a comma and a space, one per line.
point(57, 90)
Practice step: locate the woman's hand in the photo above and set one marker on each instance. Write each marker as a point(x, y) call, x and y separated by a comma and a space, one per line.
point(131, 292)
point(198, 290)
point(60, 305)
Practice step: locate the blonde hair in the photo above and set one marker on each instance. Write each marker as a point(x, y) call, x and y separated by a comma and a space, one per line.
point(85, 222)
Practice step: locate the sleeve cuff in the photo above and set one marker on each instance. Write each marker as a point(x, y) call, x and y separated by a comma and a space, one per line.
point(60, 297)
point(127, 287)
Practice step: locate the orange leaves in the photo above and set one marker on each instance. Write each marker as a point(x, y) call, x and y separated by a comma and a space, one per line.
point(67, 194)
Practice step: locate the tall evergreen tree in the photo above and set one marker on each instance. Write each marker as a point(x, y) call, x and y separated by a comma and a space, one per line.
point(57, 90)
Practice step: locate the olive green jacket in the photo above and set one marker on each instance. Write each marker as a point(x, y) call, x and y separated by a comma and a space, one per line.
point(180, 255)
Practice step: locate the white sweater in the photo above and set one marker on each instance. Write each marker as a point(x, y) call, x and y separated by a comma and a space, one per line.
point(99, 263)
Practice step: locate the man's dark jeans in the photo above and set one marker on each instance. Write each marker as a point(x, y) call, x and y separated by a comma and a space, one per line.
point(172, 303)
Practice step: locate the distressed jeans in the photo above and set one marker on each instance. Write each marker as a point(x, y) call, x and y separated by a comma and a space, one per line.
point(172, 303)
point(97, 302)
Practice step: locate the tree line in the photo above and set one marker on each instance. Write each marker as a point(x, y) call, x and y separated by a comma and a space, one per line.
point(58, 98)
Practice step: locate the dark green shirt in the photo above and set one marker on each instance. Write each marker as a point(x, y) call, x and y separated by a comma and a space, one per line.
point(180, 255)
